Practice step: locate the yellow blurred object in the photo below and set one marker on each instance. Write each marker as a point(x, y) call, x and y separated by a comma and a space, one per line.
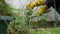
point(40, 2)
point(31, 5)
point(42, 9)
point(36, 3)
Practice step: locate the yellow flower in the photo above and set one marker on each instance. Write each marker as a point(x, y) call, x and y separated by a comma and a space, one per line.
point(31, 5)
point(40, 2)
point(36, 3)
point(28, 5)
point(42, 10)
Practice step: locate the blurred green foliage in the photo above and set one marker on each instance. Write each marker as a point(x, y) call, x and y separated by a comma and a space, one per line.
point(5, 9)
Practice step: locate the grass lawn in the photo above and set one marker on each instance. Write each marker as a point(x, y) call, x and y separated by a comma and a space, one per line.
point(45, 31)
